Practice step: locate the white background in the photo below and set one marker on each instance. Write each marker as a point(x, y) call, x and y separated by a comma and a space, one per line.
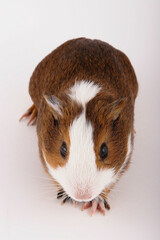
point(29, 30)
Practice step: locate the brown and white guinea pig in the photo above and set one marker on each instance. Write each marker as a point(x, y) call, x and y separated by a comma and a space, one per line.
point(84, 94)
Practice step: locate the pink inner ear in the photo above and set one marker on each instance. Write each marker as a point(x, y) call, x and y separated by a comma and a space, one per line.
point(55, 104)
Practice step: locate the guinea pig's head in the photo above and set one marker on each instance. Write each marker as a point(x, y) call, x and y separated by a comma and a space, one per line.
point(85, 139)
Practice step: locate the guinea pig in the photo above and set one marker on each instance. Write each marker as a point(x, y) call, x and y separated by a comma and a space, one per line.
point(83, 103)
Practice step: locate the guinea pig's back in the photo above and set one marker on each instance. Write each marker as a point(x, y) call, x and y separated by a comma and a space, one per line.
point(83, 59)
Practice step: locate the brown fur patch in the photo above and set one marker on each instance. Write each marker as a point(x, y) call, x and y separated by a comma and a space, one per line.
point(113, 131)
point(85, 59)
point(53, 132)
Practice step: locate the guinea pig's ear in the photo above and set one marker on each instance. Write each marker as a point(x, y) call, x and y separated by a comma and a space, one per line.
point(116, 108)
point(55, 104)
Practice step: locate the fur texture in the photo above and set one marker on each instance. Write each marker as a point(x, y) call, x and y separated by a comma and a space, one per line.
point(82, 92)
point(85, 92)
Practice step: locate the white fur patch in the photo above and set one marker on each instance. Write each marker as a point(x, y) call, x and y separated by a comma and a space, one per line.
point(83, 91)
point(80, 174)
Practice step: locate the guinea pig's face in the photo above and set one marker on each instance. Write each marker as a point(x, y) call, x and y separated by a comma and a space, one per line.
point(86, 142)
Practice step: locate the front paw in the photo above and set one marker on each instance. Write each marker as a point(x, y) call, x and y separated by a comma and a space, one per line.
point(97, 204)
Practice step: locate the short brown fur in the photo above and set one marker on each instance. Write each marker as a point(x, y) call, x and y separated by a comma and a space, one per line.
point(111, 112)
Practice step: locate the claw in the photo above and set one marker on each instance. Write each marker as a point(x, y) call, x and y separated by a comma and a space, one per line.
point(101, 208)
point(106, 204)
point(61, 193)
point(32, 112)
point(94, 206)
point(98, 203)
point(86, 205)
point(74, 203)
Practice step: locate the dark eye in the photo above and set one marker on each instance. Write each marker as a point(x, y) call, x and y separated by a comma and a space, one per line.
point(103, 151)
point(63, 150)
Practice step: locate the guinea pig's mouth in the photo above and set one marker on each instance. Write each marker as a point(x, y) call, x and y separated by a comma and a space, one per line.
point(62, 194)
point(85, 198)
point(98, 202)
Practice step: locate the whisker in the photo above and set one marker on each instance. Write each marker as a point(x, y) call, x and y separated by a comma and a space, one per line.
point(60, 194)
point(62, 191)
point(103, 194)
point(48, 190)
point(48, 185)
point(116, 190)
point(41, 177)
point(45, 192)
point(66, 198)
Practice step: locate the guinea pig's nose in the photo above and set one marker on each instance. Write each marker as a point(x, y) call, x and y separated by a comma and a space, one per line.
point(83, 196)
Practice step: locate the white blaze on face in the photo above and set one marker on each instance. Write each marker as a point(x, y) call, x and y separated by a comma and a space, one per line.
point(81, 164)
point(83, 91)
point(80, 177)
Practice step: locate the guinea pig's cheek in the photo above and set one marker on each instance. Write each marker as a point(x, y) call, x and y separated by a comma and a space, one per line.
point(83, 185)
point(128, 155)
point(53, 160)
point(106, 177)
